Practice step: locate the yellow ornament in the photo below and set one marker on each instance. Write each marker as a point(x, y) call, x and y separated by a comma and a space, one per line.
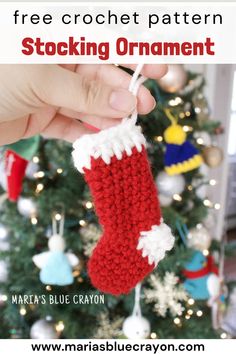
point(175, 134)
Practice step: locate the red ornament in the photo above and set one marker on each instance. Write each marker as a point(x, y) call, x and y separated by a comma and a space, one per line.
point(15, 167)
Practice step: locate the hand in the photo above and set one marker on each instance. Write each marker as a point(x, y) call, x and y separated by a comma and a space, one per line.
point(64, 101)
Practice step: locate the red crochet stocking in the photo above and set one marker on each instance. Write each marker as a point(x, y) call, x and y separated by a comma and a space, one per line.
point(135, 239)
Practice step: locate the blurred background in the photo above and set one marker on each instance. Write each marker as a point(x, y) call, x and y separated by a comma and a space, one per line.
point(191, 293)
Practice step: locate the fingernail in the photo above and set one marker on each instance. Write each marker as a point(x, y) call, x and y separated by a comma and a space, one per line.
point(122, 100)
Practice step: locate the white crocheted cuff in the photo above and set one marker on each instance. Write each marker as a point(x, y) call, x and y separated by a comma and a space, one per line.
point(107, 143)
point(155, 242)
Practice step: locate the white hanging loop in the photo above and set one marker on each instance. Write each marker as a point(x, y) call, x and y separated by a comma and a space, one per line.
point(58, 225)
point(134, 85)
point(137, 308)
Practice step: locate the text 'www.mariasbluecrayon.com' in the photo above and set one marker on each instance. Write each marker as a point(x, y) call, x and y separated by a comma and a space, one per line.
point(115, 347)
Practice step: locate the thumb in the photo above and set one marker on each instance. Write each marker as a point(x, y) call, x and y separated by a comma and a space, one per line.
point(64, 88)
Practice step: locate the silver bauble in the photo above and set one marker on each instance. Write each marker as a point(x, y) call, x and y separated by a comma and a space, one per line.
point(26, 207)
point(4, 241)
point(199, 238)
point(165, 200)
point(31, 169)
point(3, 271)
point(43, 329)
point(170, 185)
point(136, 327)
point(174, 80)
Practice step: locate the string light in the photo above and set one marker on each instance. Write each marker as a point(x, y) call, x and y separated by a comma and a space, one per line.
point(60, 326)
point(205, 253)
point(212, 182)
point(182, 115)
point(23, 311)
point(34, 220)
point(207, 203)
point(153, 335)
point(48, 288)
point(39, 188)
point(36, 159)
point(191, 301)
point(3, 298)
point(158, 138)
point(175, 102)
point(217, 206)
point(187, 317)
point(197, 110)
point(89, 205)
point(223, 335)
point(190, 312)
point(190, 187)
point(59, 171)
point(187, 128)
point(82, 223)
point(80, 280)
point(177, 197)
point(76, 273)
point(187, 114)
point(58, 217)
point(199, 313)
point(177, 321)
point(39, 174)
point(200, 141)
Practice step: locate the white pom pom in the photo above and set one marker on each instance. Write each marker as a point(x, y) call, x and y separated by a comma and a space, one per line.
point(156, 242)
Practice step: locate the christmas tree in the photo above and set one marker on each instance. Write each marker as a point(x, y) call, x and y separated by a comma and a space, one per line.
point(54, 190)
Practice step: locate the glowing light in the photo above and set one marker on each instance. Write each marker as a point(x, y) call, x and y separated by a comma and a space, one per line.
point(197, 110)
point(223, 335)
point(23, 311)
point(199, 313)
point(39, 174)
point(200, 141)
point(153, 335)
point(187, 128)
point(48, 288)
point(199, 226)
point(217, 206)
point(59, 171)
point(3, 298)
point(187, 317)
point(34, 220)
point(89, 205)
point(39, 188)
point(191, 301)
point(181, 115)
point(187, 114)
point(158, 138)
point(212, 182)
point(177, 321)
point(175, 102)
point(207, 203)
point(190, 188)
point(36, 159)
point(190, 312)
point(58, 217)
point(82, 223)
point(205, 253)
point(60, 326)
point(177, 197)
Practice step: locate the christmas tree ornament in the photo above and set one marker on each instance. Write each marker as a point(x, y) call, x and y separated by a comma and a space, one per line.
point(170, 185)
point(90, 236)
point(3, 178)
point(17, 157)
point(202, 277)
point(165, 200)
point(167, 294)
point(108, 328)
point(4, 238)
point(202, 138)
point(26, 207)
point(3, 271)
point(212, 156)
point(229, 321)
point(15, 171)
point(56, 265)
point(135, 237)
point(43, 329)
point(199, 238)
point(136, 326)
point(31, 170)
point(180, 156)
point(174, 80)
